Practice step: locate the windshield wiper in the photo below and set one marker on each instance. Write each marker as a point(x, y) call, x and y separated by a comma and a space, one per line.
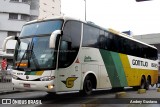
point(32, 55)
point(23, 55)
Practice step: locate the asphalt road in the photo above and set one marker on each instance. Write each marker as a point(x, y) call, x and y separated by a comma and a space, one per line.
point(103, 98)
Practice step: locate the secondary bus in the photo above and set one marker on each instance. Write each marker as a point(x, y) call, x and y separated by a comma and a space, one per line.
point(65, 54)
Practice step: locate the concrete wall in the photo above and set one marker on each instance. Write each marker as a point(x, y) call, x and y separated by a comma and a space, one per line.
point(10, 25)
point(149, 38)
point(49, 8)
point(14, 7)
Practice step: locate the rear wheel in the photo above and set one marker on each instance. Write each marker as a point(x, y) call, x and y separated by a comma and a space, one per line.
point(148, 82)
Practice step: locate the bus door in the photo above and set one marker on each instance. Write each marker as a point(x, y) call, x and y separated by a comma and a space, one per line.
point(68, 73)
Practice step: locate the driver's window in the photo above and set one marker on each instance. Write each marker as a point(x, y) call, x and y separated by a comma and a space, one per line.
point(64, 53)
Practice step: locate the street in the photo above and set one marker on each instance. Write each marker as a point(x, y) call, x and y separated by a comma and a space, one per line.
point(103, 98)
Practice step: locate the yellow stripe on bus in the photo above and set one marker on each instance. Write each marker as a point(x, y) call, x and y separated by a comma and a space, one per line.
point(39, 72)
point(134, 75)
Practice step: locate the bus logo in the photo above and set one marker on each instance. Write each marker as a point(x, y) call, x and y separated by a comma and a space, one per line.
point(70, 82)
point(27, 77)
point(88, 59)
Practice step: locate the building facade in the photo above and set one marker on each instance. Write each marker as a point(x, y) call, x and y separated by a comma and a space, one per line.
point(152, 39)
point(14, 14)
point(49, 8)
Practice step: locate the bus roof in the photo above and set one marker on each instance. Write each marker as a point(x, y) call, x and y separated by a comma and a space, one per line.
point(65, 18)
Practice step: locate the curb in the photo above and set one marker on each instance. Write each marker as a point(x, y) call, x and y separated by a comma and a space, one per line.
point(158, 90)
point(120, 95)
point(12, 92)
point(9, 92)
point(90, 103)
point(141, 91)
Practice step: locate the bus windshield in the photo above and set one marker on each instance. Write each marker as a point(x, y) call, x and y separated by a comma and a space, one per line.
point(33, 52)
point(46, 27)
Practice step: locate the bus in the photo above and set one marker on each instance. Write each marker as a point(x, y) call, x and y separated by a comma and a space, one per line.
point(64, 54)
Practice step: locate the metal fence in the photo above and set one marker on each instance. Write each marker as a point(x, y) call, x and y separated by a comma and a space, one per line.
point(5, 76)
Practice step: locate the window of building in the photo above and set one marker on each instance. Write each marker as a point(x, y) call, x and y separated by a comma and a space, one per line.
point(13, 16)
point(12, 33)
point(33, 17)
point(34, 5)
point(25, 17)
point(14, 0)
point(26, 1)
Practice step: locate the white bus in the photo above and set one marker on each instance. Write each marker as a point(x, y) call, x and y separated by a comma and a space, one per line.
point(64, 54)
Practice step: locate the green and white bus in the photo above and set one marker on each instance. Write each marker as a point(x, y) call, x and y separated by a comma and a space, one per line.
point(64, 54)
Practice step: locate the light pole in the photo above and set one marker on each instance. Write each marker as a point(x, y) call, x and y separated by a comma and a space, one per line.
point(85, 9)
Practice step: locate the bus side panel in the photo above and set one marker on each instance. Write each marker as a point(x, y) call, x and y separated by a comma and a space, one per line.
point(131, 74)
point(91, 60)
point(135, 73)
point(114, 68)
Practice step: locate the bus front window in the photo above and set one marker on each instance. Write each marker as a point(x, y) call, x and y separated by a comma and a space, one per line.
point(33, 52)
point(37, 53)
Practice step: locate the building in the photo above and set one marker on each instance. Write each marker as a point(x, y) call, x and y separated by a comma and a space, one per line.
point(15, 13)
point(49, 8)
point(152, 39)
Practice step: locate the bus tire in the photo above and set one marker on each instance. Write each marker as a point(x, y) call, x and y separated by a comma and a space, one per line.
point(87, 86)
point(147, 84)
point(143, 83)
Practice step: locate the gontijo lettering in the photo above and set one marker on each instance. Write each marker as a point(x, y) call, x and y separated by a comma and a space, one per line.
point(140, 63)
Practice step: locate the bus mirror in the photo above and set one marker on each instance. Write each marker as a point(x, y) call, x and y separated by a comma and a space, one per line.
point(10, 45)
point(53, 38)
point(5, 42)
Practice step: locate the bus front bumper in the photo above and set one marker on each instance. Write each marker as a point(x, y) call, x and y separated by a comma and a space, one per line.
point(34, 85)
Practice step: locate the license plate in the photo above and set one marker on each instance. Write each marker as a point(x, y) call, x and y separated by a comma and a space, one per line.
point(26, 85)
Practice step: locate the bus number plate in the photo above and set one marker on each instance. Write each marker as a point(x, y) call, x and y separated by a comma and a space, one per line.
point(26, 85)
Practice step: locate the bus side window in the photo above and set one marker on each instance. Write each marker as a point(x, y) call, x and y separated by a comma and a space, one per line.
point(64, 53)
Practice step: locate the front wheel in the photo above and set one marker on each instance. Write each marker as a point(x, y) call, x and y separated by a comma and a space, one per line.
point(87, 86)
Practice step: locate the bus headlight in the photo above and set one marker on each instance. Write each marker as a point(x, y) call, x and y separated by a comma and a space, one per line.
point(47, 78)
point(14, 77)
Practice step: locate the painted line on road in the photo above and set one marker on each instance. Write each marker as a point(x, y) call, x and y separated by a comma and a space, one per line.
point(90, 103)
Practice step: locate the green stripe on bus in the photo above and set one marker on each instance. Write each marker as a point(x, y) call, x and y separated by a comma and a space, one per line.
point(30, 73)
point(110, 68)
point(119, 69)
